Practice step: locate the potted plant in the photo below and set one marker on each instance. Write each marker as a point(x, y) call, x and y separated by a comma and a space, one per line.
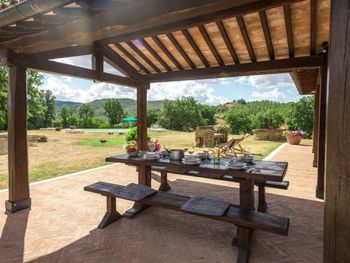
point(294, 137)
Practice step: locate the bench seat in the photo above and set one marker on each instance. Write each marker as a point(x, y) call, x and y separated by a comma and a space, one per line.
point(234, 215)
point(262, 204)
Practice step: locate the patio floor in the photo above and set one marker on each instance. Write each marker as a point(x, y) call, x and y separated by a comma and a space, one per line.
point(61, 226)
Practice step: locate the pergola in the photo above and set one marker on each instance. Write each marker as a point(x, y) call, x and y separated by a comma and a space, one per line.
point(155, 41)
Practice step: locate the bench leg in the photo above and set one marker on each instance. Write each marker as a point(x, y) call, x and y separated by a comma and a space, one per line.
point(262, 207)
point(111, 215)
point(164, 186)
point(243, 245)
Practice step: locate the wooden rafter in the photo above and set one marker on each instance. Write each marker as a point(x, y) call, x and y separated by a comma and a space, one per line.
point(227, 41)
point(67, 52)
point(167, 52)
point(289, 31)
point(181, 50)
point(120, 64)
point(210, 44)
point(129, 56)
point(255, 68)
point(313, 26)
point(143, 56)
point(164, 18)
point(246, 39)
point(155, 55)
point(267, 34)
point(194, 46)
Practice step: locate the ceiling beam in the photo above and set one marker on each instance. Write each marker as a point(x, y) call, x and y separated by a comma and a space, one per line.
point(267, 34)
point(127, 22)
point(289, 30)
point(194, 46)
point(181, 50)
point(37, 63)
point(246, 38)
point(167, 52)
point(227, 41)
point(255, 68)
point(313, 26)
point(210, 44)
point(72, 51)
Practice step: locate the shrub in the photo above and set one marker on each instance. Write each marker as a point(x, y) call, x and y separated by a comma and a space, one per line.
point(132, 135)
point(270, 119)
point(301, 114)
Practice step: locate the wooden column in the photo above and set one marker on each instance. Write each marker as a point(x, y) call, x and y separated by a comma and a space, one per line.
point(337, 198)
point(315, 134)
point(144, 171)
point(17, 140)
point(321, 145)
point(97, 61)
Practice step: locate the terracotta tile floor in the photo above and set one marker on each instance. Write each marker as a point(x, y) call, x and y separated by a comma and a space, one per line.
point(61, 226)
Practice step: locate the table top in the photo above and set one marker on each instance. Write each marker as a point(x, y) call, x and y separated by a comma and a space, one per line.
point(259, 170)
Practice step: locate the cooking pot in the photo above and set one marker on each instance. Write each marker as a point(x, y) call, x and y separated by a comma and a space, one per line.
point(176, 154)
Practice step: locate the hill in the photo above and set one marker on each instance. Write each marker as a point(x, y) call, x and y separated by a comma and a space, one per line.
point(129, 105)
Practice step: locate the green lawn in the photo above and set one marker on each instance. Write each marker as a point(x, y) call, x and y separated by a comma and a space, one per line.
point(96, 142)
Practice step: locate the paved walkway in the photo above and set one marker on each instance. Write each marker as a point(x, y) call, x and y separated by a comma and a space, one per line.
point(61, 226)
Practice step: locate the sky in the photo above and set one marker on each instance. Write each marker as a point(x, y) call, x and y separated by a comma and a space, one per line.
point(277, 87)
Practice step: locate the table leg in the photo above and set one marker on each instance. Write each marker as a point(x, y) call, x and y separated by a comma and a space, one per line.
point(164, 186)
point(145, 179)
point(246, 200)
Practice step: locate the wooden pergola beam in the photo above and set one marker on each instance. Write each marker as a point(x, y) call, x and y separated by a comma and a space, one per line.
point(163, 18)
point(256, 68)
point(313, 26)
point(289, 30)
point(181, 50)
point(246, 38)
point(210, 44)
point(36, 63)
point(118, 63)
point(155, 55)
point(71, 51)
point(267, 34)
point(143, 56)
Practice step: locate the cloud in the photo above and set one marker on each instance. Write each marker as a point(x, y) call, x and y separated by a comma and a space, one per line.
point(173, 90)
point(64, 89)
point(274, 95)
point(267, 81)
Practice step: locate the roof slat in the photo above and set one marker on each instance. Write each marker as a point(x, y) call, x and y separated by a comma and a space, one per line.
point(155, 55)
point(130, 57)
point(143, 56)
point(313, 26)
point(210, 44)
point(246, 39)
point(181, 50)
point(195, 47)
point(167, 52)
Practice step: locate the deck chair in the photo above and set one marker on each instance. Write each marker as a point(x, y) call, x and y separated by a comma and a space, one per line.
point(233, 147)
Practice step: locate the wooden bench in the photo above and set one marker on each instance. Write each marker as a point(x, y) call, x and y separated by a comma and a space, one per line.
point(246, 220)
point(262, 204)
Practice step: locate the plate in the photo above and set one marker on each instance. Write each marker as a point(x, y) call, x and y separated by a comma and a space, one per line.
point(191, 160)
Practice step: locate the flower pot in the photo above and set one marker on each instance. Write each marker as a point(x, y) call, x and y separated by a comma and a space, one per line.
point(293, 139)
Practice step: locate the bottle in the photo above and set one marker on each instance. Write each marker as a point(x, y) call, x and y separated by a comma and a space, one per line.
point(216, 153)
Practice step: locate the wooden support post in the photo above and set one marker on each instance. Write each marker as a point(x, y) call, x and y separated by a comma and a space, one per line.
point(321, 145)
point(19, 197)
point(337, 199)
point(97, 61)
point(316, 124)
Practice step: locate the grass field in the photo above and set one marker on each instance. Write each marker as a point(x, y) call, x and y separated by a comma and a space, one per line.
point(67, 153)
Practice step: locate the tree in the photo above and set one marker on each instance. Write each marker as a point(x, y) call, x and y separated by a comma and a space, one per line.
point(50, 108)
point(36, 105)
point(86, 113)
point(301, 114)
point(208, 114)
point(65, 114)
point(181, 114)
point(269, 119)
point(238, 121)
point(152, 116)
point(113, 110)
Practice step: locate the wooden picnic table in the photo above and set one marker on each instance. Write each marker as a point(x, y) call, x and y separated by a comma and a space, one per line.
point(259, 170)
